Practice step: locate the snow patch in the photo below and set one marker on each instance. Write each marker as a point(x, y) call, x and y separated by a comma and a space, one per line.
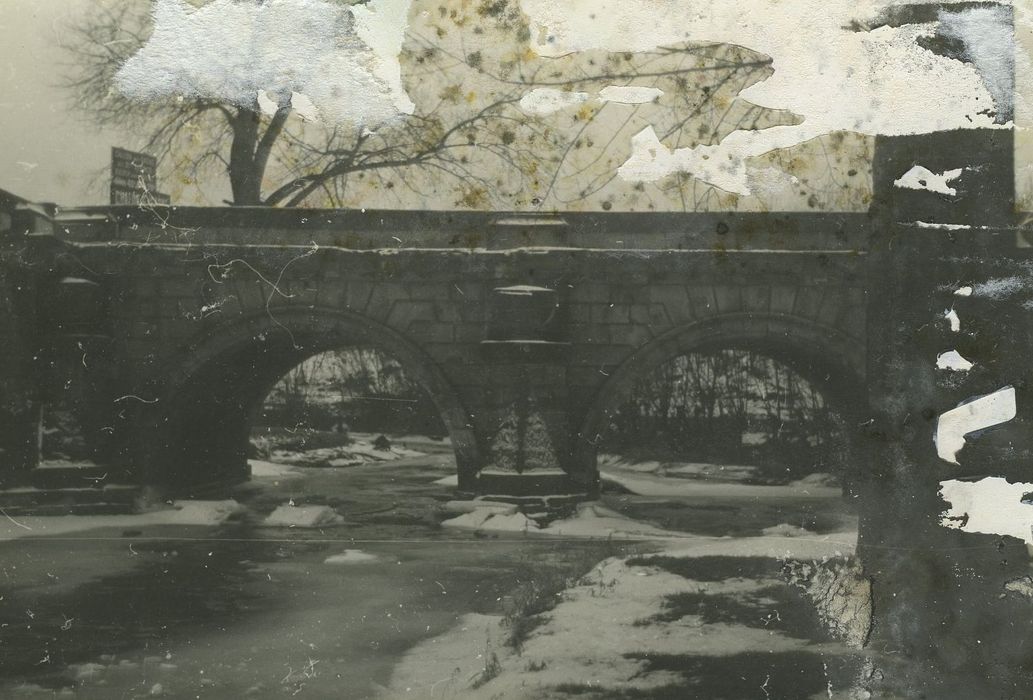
point(842, 595)
point(195, 513)
point(201, 512)
point(809, 547)
point(823, 486)
point(490, 520)
point(463, 651)
point(303, 516)
point(602, 617)
point(786, 530)
point(977, 414)
point(450, 480)
point(1000, 288)
point(354, 454)
point(351, 556)
point(820, 479)
point(1022, 585)
point(476, 505)
point(271, 470)
point(594, 520)
point(990, 506)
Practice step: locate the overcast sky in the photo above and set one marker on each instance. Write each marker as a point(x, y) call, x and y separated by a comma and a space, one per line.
point(46, 153)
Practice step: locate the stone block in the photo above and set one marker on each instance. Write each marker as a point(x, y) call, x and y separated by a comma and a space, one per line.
point(782, 299)
point(469, 332)
point(430, 332)
point(382, 299)
point(610, 313)
point(703, 302)
point(808, 302)
point(831, 307)
point(756, 298)
point(633, 335)
point(729, 299)
point(676, 301)
point(403, 313)
point(604, 357)
point(356, 295)
point(438, 291)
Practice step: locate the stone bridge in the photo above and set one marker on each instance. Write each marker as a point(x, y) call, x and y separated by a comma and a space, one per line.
point(166, 327)
point(178, 327)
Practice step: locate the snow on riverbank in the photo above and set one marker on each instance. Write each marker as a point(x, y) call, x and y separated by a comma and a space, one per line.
point(646, 484)
point(595, 520)
point(357, 452)
point(680, 470)
point(351, 556)
point(199, 513)
point(308, 516)
point(590, 520)
point(603, 628)
point(272, 470)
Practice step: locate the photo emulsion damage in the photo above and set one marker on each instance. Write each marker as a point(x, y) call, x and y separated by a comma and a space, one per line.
point(516, 349)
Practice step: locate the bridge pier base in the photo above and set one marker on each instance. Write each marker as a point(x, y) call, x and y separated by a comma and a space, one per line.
point(526, 428)
point(528, 437)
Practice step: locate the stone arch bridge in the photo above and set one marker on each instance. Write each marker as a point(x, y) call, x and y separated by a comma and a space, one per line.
point(512, 323)
point(166, 326)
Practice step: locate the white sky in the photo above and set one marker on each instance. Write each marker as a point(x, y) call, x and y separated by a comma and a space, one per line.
point(46, 154)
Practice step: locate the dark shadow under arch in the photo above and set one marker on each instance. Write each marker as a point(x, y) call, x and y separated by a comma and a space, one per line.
point(827, 358)
point(209, 398)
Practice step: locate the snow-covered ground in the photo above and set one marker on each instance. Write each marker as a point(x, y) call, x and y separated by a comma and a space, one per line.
point(356, 453)
point(610, 634)
point(644, 483)
point(589, 520)
point(602, 633)
point(195, 513)
point(355, 556)
point(686, 470)
point(707, 472)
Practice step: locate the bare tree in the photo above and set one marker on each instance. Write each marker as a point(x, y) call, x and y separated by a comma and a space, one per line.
point(468, 125)
point(701, 404)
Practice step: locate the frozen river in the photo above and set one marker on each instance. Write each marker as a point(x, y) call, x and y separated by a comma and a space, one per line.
point(247, 611)
point(131, 610)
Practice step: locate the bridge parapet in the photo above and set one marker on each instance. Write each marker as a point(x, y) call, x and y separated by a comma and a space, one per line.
point(394, 230)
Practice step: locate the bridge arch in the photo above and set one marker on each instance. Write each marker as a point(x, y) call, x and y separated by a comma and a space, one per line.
point(211, 394)
point(829, 359)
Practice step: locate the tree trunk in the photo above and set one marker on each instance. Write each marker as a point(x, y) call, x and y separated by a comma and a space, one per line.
point(245, 180)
